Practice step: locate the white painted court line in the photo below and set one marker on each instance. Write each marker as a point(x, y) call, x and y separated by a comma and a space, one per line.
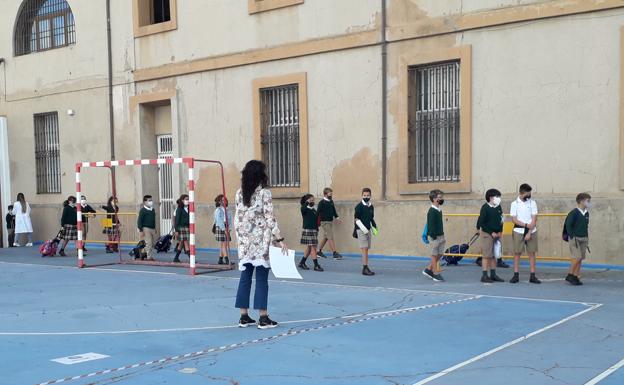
point(288, 333)
point(504, 346)
point(606, 373)
point(373, 288)
point(79, 358)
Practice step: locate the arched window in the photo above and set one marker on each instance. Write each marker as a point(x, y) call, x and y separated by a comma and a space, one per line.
point(43, 25)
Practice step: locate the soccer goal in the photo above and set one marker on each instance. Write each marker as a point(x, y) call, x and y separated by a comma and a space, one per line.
point(190, 163)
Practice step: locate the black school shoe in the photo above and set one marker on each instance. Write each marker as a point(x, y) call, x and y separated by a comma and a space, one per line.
point(428, 273)
point(496, 278)
point(318, 267)
point(534, 279)
point(320, 254)
point(486, 279)
point(246, 320)
point(515, 279)
point(573, 280)
point(62, 253)
point(302, 265)
point(337, 255)
point(266, 323)
point(502, 264)
point(367, 271)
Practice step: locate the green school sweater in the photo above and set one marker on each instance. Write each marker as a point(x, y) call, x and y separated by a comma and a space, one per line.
point(69, 216)
point(366, 214)
point(309, 218)
point(490, 219)
point(327, 211)
point(435, 225)
point(147, 218)
point(181, 218)
point(577, 224)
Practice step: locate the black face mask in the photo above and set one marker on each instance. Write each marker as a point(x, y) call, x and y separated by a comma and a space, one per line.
point(440, 202)
point(310, 204)
point(366, 200)
point(331, 198)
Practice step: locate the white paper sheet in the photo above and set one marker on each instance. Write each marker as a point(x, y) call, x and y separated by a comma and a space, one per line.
point(71, 360)
point(283, 266)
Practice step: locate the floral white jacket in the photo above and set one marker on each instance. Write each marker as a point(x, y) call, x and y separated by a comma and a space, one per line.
point(256, 228)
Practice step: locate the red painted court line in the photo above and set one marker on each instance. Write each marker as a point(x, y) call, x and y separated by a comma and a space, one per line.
point(289, 333)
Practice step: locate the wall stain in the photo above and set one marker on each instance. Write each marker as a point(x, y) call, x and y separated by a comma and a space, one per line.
point(351, 175)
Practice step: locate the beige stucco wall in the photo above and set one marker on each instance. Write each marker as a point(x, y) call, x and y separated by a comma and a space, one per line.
point(545, 109)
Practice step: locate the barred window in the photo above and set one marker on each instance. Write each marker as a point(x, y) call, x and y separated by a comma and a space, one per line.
point(47, 153)
point(434, 120)
point(279, 117)
point(44, 25)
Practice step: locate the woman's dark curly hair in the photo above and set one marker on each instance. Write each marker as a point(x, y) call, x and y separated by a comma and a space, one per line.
point(304, 199)
point(253, 175)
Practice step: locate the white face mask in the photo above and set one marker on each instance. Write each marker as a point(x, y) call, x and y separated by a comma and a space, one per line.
point(186, 202)
point(149, 203)
point(72, 204)
point(83, 202)
point(587, 204)
point(496, 201)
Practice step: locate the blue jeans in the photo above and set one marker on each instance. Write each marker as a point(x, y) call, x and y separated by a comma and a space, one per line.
point(261, 295)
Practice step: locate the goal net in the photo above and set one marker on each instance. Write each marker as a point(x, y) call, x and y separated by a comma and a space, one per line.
point(131, 233)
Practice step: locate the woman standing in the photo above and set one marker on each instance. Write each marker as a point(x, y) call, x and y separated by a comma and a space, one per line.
point(23, 225)
point(112, 229)
point(256, 228)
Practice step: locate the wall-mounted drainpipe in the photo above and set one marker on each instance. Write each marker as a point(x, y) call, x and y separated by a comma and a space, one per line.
point(111, 114)
point(384, 101)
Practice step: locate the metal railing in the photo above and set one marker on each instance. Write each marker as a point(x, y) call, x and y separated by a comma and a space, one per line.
point(279, 116)
point(434, 123)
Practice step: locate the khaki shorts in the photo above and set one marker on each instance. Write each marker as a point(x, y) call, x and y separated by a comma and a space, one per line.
point(519, 245)
point(487, 245)
point(578, 247)
point(328, 230)
point(364, 240)
point(438, 245)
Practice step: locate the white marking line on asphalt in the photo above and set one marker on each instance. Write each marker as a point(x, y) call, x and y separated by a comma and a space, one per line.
point(322, 284)
point(504, 346)
point(79, 358)
point(606, 373)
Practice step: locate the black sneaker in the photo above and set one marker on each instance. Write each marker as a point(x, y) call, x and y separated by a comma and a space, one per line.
point(302, 265)
point(534, 279)
point(62, 253)
point(428, 273)
point(337, 255)
point(438, 278)
point(501, 263)
point(578, 281)
point(367, 271)
point(266, 323)
point(320, 254)
point(496, 278)
point(318, 267)
point(246, 320)
point(572, 280)
point(486, 279)
point(515, 279)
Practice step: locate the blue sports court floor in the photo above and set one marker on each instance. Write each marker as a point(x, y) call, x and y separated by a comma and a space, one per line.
point(155, 325)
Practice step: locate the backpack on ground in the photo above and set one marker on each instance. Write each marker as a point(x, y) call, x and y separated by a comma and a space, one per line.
point(458, 249)
point(163, 244)
point(137, 251)
point(49, 247)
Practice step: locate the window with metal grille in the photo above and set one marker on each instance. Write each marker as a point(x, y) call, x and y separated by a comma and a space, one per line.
point(44, 25)
point(434, 124)
point(161, 11)
point(279, 117)
point(47, 153)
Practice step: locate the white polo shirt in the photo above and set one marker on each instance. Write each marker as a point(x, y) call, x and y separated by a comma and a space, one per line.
point(524, 212)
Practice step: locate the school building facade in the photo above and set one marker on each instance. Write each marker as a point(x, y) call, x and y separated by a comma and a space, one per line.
point(401, 96)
